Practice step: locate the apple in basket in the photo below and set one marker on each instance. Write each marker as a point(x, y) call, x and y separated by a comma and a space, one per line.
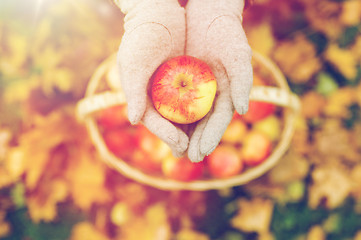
point(182, 169)
point(224, 162)
point(183, 89)
point(256, 148)
point(258, 110)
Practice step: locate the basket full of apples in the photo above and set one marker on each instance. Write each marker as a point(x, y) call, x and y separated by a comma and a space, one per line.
point(251, 145)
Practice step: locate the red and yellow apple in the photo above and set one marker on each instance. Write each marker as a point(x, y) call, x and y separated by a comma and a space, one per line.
point(258, 110)
point(270, 126)
point(183, 89)
point(224, 162)
point(235, 132)
point(256, 148)
point(121, 142)
point(182, 169)
point(113, 117)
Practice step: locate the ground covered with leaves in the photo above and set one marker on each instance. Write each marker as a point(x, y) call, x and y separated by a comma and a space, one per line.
point(53, 184)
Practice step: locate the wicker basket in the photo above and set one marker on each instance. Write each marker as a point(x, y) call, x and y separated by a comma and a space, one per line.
point(96, 100)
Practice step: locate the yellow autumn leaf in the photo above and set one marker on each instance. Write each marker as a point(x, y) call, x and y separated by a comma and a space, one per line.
point(155, 220)
point(254, 215)
point(333, 142)
point(356, 181)
point(358, 235)
point(351, 12)
point(338, 102)
point(87, 180)
point(343, 59)
point(316, 233)
point(190, 234)
point(323, 15)
point(260, 38)
point(291, 167)
point(5, 136)
point(86, 230)
point(5, 178)
point(14, 52)
point(48, 132)
point(4, 226)
point(18, 91)
point(15, 162)
point(297, 58)
point(57, 79)
point(325, 179)
point(42, 202)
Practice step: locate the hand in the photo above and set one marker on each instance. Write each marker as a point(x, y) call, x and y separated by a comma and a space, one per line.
point(154, 33)
point(215, 35)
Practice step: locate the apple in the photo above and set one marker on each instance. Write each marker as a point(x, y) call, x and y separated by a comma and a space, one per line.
point(256, 148)
point(150, 150)
point(224, 162)
point(271, 126)
point(183, 89)
point(122, 142)
point(235, 132)
point(182, 169)
point(145, 162)
point(113, 117)
point(152, 145)
point(258, 110)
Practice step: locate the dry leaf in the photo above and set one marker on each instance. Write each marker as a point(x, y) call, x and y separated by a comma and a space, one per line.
point(254, 215)
point(331, 185)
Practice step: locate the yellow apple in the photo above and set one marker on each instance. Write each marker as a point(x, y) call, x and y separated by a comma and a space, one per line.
point(235, 132)
point(183, 89)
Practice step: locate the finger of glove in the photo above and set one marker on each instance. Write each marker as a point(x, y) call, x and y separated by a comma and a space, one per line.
point(226, 33)
point(210, 130)
point(176, 139)
point(140, 53)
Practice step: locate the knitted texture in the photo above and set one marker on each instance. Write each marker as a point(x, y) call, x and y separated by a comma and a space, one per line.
point(215, 35)
point(154, 33)
point(211, 30)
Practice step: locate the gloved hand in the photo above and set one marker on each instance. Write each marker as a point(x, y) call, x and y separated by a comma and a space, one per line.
point(154, 33)
point(215, 35)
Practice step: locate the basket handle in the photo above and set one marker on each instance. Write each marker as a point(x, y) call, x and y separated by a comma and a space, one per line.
point(275, 95)
point(282, 97)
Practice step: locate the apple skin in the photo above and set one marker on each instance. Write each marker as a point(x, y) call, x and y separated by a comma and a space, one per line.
point(150, 151)
point(121, 142)
point(256, 148)
point(235, 132)
point(224, 162)
point(271, 126)
point(182, 169)
point(258, 110)
point(183, 89)
point(113, 117)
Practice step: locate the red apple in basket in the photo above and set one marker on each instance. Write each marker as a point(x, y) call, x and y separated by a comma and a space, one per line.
point(182, 169)
point(224, 162)
point(183, 89)
point(121, 141)
point(151, 149)
point(112, 117)
point(258, 110)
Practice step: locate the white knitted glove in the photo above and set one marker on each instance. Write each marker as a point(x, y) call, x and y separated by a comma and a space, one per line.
point(215, 35)
point(154, 33)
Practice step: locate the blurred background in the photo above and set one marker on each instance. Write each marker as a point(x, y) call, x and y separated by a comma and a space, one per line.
point(53, 184)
